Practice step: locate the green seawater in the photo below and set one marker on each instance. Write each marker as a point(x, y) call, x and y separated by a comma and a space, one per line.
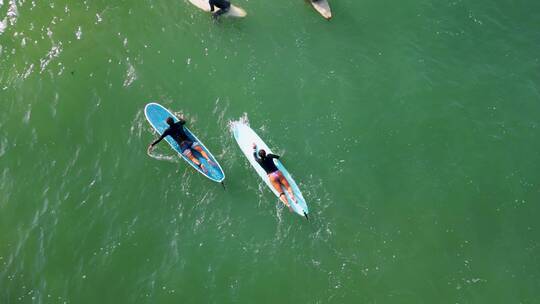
point(412, 128)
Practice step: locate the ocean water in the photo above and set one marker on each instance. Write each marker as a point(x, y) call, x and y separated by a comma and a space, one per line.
point(411, 127)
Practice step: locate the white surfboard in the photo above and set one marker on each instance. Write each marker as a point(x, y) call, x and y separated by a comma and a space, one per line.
point(245, 137)
point(322, 7)
point(234, 11)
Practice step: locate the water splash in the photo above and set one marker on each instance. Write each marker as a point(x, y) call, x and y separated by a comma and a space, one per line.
point(159, 156)
point(53, 53)
point(12, 12)
point(3, 26)
point(131, 75)
point(242, 120)
point(11, 16)
point(78, 34)
point(28, 71)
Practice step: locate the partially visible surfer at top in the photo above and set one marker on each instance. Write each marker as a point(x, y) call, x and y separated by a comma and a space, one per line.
point(266, 161)
point(176, 131)
point(223, 6)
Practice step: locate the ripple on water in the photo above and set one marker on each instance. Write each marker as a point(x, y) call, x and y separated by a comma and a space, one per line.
point(3, 146)
point(78, 33)
point(53, 53)
point(131, 75)
point(3, 26)
point(11, 16)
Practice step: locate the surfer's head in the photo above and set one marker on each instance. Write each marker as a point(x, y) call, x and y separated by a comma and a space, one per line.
point(262, 153)
point(170, 121)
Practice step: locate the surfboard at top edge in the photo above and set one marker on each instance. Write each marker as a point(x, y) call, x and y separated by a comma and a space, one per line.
point(156, 114)
point(323, 8)
point(234, 11)
point(245, 137)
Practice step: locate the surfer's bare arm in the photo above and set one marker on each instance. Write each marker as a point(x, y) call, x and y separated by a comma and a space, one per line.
point(159, 139)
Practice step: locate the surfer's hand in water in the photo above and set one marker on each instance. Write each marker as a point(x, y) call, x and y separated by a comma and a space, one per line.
point(180, 116)
point(254, 146)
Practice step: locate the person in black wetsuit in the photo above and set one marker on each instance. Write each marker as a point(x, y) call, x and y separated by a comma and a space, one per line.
point(266, 161)
point(223, 6)
point(176, 131)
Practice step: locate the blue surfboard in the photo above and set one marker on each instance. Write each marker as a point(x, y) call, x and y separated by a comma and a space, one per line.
point(156, 115)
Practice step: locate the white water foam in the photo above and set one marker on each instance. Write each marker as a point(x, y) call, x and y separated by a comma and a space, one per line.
point(131, 75)
point(159, 156)
point(78, 34)
point(242, 120)
point(53, 53)
point(12, 12)
point(11, 16)
point(3, 26)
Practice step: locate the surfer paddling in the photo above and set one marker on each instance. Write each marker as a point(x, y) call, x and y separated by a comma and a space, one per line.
point(223, 6)
point(176, 131)
point(266, 161)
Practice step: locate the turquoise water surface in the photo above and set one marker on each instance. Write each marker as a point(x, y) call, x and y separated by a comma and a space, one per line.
point(411, 127)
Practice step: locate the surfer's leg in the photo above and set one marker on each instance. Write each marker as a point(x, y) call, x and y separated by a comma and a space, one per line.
point(275, 182)
point(287, 186)
point(199, 149)
point(195, 160)
point(186, 148)
point(188, 154)
point(283, 198)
